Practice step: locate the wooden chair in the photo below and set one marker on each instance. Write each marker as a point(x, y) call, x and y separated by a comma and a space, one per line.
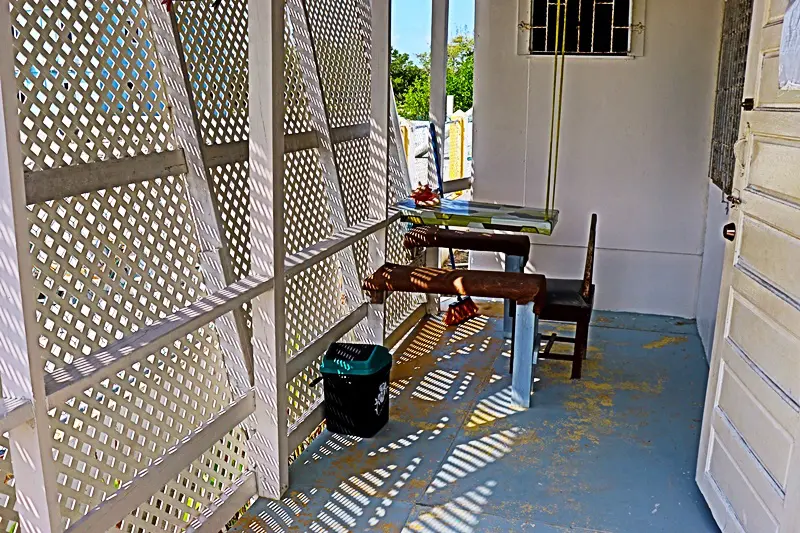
point(572, 300)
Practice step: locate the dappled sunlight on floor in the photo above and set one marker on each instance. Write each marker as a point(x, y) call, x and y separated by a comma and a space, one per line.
point(493, 407)
point(461, 514)
point(466, 459)
point(613, 452)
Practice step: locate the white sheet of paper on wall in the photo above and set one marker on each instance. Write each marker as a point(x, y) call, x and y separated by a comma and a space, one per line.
point(789, 68)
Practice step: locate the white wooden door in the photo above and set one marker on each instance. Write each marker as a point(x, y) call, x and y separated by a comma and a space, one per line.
point(749, 462)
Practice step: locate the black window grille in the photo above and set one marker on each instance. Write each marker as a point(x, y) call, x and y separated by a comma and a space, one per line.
point(593, 27)
point(730, 89)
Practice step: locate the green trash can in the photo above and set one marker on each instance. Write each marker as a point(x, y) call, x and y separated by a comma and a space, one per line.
point(355, 378)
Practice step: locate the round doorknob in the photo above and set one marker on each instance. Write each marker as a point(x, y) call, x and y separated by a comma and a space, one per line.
point(729, 231)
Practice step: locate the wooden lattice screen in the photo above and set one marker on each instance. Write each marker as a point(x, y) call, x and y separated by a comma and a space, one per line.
point(111, 85)
point(730, 88)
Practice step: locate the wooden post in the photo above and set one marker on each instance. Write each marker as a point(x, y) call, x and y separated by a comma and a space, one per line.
point(269, 440)
point(217, 267)
point(438, 115)
point(380, 17)
point(21, 366)
point(309, 71)
point(438, 101)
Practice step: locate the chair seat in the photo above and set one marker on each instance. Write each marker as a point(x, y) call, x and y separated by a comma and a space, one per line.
point(566, 293)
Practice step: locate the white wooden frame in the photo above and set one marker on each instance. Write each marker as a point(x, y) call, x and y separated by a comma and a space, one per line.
point(268, 441)
point(440, 15)
point(380, 85)
point(258, 378)
point(21, 366)
point(213, 255)
point(309, 69)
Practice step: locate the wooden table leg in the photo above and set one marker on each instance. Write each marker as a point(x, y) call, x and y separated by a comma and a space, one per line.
point(432, 261)
point(526, 354)
point(513, 264)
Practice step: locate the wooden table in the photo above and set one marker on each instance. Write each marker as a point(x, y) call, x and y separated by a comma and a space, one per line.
point(481, 215)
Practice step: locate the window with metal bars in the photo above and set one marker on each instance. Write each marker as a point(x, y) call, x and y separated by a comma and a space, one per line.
point(593, 27)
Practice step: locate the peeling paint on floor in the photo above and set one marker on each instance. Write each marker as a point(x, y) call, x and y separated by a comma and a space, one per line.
point(613, 452)
point(664, 341)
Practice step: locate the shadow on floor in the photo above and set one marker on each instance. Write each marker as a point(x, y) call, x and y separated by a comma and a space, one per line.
point(614, 452)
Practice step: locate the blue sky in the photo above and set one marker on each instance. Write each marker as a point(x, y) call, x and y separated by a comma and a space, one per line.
point(411, 23)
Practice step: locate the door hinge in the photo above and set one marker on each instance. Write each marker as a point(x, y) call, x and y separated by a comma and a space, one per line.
point(526, 26)
point(734, 199)
point(639, 28)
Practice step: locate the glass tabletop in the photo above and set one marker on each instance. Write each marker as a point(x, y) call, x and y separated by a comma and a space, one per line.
point(467, 213)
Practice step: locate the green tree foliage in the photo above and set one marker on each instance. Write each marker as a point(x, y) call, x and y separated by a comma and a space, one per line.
point(404, 73)
point(412, 84)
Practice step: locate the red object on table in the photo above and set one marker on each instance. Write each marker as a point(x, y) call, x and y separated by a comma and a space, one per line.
point(424, 196)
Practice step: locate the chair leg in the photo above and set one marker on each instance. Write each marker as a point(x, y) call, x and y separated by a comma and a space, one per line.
point(581, 341)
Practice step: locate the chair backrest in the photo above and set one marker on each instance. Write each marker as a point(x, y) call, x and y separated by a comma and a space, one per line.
point(588, 270)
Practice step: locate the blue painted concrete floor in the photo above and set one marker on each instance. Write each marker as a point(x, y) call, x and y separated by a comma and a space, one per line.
point(614, 452)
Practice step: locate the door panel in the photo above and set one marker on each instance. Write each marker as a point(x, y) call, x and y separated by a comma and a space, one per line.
point(771, 348)
point(775, 11)
point(767, 487)
point(772, 179)
point(771, 252)
point(739, 482)
point(781, 311)
point(768, 95)
point(762, 433)
point(749, 463)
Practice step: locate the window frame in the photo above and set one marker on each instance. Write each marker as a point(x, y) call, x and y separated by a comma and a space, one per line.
point(637, 34)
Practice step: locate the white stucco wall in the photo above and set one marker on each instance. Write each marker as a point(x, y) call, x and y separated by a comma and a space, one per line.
point(635, 145)
point(711, 271)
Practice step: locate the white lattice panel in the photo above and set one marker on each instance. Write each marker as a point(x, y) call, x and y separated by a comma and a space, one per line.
point(9, 520)
point(172, 508)
point(106, 264)
point(315, 301)
point(315, 298)
point(399, 305)
point(307, 216)
point(215, 50)
point(352, 160)
point(340, 29)
point(214, 40)
point(230, 186)
point(88, 85)
point(297, 116)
